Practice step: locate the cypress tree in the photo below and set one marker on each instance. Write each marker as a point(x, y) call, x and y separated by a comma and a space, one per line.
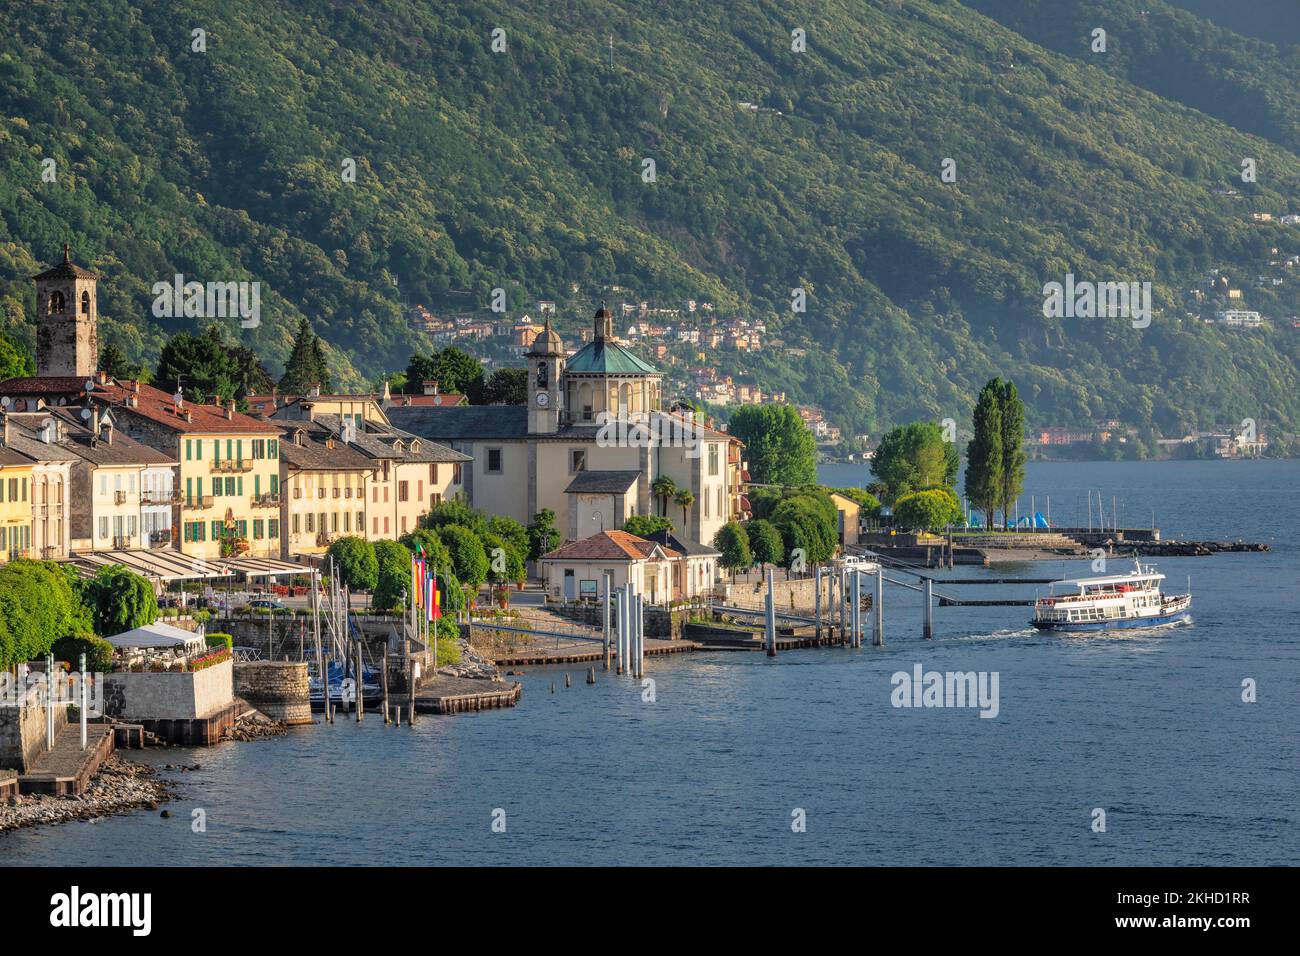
point(1013, 447)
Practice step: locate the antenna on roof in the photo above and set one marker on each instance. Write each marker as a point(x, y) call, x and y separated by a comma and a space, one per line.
point(90, 385)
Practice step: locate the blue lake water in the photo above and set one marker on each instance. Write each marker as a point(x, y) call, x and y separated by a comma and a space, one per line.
point(1149, 727)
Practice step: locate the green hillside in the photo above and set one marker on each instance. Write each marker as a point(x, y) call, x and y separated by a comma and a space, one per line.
point(522, 170)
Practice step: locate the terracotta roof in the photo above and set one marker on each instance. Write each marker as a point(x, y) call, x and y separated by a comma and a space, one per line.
point(44, 385)
point(66, 269)
point(158, 406)
point(608, 546)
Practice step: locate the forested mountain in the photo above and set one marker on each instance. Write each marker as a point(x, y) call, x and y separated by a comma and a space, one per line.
point(522, 170)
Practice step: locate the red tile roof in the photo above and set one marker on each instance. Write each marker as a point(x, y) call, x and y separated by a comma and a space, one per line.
point(158, 406)
point(608, 546)
point(44, 385)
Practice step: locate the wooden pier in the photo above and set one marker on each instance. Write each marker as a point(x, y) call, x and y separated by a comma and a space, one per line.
point(586, 652)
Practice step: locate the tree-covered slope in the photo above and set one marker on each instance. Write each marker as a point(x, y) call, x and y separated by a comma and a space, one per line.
point(523, 170)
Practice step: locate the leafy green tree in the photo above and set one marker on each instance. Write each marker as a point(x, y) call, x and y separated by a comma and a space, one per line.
point(355, 562)
point(506, 386)
point(15, 362)
point(204, 365)
point(453, 370)
point(1013, 446)
point(120, 600)
point(808, 526)
point(113, 361)
point(455, 511)
point(865, 500)
point(469, 560)
point(765, 541)
point(732, 541)
point(99, 653)
point(914, 456)
point(393, 576)
point(780, 447)
point(932, 509)
point(644, 525)
point(37, 608)
point(512, 532)
point(984, 453)
point(542, 536)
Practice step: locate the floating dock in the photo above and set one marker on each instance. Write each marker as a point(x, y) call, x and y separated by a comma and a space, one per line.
point(460, 695)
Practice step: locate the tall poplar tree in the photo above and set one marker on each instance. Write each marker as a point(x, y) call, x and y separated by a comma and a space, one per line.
point(1013, 447)
point(984, 454)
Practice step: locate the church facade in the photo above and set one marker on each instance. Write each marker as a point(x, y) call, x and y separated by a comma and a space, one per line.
point(589, 445)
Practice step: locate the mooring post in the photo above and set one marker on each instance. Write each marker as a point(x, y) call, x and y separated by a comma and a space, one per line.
point(771, 614)
point(383, 676)
point(639, 655)
point(878, 605)
point(621, 659)
point(361, 696)
point(82, 706)
point(817, 599)
point(927, 631)
point(605, 616)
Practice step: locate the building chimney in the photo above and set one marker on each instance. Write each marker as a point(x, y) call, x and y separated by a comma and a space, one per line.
point(4, 416)
point(230, 410)
point(135, 386)
point(430, 386)
point(314, 389)
point(388, 395)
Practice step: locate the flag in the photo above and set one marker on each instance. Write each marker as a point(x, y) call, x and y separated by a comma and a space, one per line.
point(428, 605)
point(435, 606)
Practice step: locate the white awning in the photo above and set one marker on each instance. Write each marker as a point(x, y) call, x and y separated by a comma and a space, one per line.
point(157, 635)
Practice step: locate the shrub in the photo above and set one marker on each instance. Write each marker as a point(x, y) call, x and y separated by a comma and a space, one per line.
point(99, 653)
point(218, 639)
point(393, 579)
point(933, 508)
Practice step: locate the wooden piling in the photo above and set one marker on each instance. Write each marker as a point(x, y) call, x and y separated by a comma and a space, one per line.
point(927, 628)
point(878, 605)
point(605, 609)
point(384, 684)
point(361, 694)
point(591, 674)
point(568, 681)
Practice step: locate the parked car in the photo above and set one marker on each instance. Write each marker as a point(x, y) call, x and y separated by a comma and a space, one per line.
point(267, 604)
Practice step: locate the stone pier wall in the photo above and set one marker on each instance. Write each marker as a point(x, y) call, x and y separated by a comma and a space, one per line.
point(22, 731)
point(276, 688)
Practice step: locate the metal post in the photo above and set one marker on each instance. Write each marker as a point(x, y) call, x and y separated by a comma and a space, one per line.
point(361, 696)
point(857, 607)
point(605, 615)
point(878, 605)
point(843, 601)
point(771, 616)
point(638, 640)
point(82, 708)
point(49, 701)
point(620, 597)
point(927, 632)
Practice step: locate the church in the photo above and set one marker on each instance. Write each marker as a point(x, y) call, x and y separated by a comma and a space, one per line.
point(589, 445)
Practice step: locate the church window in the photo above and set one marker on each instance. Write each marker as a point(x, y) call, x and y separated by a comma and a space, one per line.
point(494, 461)
point(56, 302)
point(577, 460)
point(85, 303)
point(713, 461)
point(541, 375)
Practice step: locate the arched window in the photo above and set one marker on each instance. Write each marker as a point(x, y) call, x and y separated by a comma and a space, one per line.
point(625, 398)
point(584, 401)
point(56, 302)
point(85, 303)
point(541, 375)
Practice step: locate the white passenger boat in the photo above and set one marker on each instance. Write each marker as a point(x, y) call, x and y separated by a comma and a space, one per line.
point(1107, 603)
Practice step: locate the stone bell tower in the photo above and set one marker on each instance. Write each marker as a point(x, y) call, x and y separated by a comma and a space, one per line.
point(545, 379)
point(67, 316)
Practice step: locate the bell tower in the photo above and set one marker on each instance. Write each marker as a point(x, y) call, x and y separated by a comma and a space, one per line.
point(545, 392)
point(67, 317)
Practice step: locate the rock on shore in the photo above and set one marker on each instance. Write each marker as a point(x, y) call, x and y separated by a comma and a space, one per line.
point(471, 665)
point(119, 787)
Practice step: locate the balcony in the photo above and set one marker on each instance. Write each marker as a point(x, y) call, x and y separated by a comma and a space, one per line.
point(123, 542)
point(297, 493)
point(198, 503)
point(233, 464)
point(266, 501)
point(159, 539)
point(159, 498)
point(51, 553)
point(119, 497)
point(336, 492)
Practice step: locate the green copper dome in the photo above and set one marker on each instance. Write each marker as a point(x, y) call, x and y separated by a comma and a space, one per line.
point(608, 357)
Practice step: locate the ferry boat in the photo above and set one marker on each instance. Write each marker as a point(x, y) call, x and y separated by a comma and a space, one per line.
point(1107, 603)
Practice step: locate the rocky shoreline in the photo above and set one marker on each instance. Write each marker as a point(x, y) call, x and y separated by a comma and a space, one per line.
point(120, 786)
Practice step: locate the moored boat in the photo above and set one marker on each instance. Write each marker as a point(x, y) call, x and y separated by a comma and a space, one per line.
point(1111, 602)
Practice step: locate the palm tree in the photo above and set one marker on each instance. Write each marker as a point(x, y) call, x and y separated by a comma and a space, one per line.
point(685, 497)
point(664, 488)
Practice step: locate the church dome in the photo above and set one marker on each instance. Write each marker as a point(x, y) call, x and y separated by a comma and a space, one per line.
point(548, 342)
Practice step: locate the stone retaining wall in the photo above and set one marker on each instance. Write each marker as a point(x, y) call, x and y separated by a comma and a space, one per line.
point(276, 688)
point(168, 695)
point(22, 730)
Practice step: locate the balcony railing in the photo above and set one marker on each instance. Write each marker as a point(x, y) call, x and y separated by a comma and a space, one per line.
point(233, 464)
point(160, 539)
point(297, 493)
point(336, 492)
point(159, 498)
point(122, 542)
point(266, 501)
point(119, 497)
point(199, 502)
point(49, 553)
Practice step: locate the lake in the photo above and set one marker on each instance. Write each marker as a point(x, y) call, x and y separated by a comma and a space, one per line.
point(1149, 727)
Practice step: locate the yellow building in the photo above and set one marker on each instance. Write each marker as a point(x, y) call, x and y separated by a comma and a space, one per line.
point(228, 485)
point(15, 504)
point(322, 489)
